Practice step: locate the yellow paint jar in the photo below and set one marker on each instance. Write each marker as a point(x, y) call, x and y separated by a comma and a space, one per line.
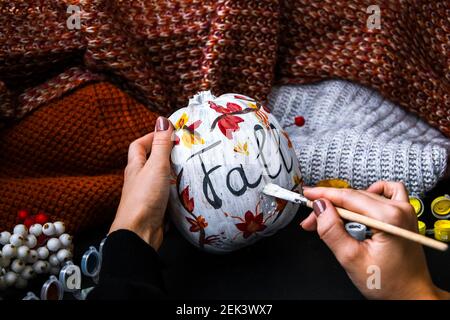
point(442, 230)
point(417, 204)
point(422, 227)
point(440, 207)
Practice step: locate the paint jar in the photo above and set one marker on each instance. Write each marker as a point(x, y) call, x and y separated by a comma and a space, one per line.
point(422, 227)
point(417, 204)
point(440, 207)
point(442, 230)
point(356, 230)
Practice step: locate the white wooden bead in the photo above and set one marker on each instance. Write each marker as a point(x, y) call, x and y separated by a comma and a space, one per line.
point(10, 278)
point(27, 273)
point(36, 229)
point(53, 259)
point(41, 266)
point(4, 237)
point(53, 244)
point(23, 252)
point(17, 240)
point(30, 241)
point(65, 239)
point(32, 256)
point(9, 251)
point(43, 253)
point(21, 283)
point(17, 266)
point(64, 255)
point(49, 229)
point(59, 227)
point(20, 229)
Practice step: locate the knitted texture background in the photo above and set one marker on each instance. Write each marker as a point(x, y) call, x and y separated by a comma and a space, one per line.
point(165, 51)
point(67, 158)
point(352, 133)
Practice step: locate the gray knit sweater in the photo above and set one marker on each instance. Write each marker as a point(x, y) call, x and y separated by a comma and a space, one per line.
point(352, 133)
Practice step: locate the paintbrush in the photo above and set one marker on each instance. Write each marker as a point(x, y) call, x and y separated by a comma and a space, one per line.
point(281, 193)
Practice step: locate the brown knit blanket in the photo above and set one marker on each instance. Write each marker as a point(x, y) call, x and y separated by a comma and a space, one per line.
point(162, 52)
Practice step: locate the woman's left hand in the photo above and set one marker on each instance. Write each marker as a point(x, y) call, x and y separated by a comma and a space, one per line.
point(145, 191)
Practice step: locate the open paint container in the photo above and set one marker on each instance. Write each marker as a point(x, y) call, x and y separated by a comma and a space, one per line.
point(442, 230)
point(417, 204)
point(440, 207)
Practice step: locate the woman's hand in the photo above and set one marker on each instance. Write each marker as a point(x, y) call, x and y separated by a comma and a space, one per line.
point(146, 185)
point(403, 269)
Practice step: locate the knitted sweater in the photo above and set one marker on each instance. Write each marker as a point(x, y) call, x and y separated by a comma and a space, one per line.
point(164, 51)
point(352, 133)
point(67, 158)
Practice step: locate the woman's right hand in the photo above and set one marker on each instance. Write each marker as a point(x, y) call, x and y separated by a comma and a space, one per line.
point(403, 270)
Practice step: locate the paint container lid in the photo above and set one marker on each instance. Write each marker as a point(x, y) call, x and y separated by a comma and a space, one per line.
point(442, 230)
point(440, 207)
point(356, 230)
point(417, 204)
point(422, 227)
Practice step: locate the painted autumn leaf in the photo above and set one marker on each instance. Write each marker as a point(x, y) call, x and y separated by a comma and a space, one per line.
point(188, 203)
point(243, 98)
point(227, 123)
point(241, 148)
point(197, 224)
point(181, 122)
point(251, 224)
point(262, 117)
point(189, 136)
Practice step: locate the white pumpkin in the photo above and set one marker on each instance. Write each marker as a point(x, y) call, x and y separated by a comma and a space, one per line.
point(226, 150)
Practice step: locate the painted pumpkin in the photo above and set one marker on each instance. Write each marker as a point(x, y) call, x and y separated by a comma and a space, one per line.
point(226, 150)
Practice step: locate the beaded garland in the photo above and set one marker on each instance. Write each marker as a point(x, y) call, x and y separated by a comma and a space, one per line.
point(33, 248)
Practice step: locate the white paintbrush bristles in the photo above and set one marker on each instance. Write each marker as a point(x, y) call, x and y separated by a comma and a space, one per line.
point(278, 192)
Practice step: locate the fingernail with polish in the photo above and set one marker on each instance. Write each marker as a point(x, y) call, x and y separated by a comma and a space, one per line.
point(162, 124)
point(319, 206)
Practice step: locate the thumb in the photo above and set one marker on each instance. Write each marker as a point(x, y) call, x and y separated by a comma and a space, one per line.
point(161, 146)
point(331, 230)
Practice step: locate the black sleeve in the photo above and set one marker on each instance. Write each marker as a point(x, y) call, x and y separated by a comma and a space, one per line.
point(130, 269)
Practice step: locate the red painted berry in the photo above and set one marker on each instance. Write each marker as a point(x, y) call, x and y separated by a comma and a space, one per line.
point(299, 121)
point(23, 214)
point(41, 218)
point(29, 221)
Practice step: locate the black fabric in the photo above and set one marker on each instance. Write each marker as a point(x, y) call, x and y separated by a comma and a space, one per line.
point(292, 264)
point(131, 269)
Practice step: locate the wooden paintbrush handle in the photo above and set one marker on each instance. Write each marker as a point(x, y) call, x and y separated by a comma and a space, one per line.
point(389, 228)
